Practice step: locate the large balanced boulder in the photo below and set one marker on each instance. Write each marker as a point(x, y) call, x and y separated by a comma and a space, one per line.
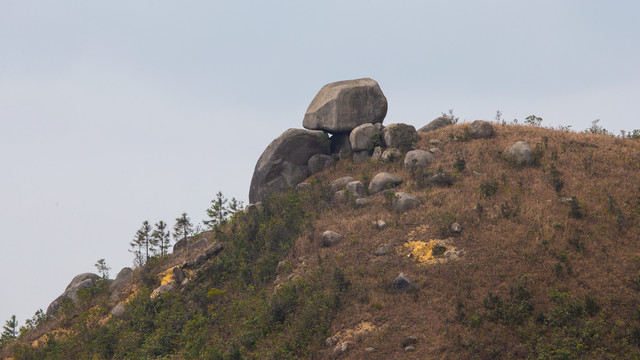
point(284, 162)
point(400, 136)
point(437, 123)
point(480, 129)
point(343, 105)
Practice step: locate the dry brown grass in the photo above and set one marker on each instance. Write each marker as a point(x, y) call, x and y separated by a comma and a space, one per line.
point(539, 245)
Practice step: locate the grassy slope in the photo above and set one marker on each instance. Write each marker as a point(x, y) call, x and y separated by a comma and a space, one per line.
point(534, 281)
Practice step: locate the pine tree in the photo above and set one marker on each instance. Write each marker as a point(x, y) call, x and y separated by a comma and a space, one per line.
point(161, 238)
point(182, 228)
point(103, 268)
point(218, 212)
point(137, 244)
point(235, 206)
point(10, 330)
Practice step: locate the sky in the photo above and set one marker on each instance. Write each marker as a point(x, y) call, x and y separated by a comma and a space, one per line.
point(117, 112)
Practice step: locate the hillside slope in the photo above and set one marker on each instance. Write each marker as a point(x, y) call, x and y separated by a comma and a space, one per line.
point(546, 266)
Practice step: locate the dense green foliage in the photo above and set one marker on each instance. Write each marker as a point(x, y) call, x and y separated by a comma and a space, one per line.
point(230, 309)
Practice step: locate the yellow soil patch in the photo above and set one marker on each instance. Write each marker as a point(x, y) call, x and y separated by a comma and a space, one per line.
point(423, 251)
point(166, 276)
point(43, 339)
point(360, 330)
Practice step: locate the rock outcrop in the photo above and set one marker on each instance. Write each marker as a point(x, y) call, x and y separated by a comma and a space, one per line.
point(436, 124)
point(341, 106)
point(79, 282)
point(284, 162)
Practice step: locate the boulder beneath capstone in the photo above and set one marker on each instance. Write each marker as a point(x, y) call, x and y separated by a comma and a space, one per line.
point(284, 162)
point(519, 153)
point(340, 144)
point(319, 162)
point(360, 137)
point(341, 106)
point(436, 124)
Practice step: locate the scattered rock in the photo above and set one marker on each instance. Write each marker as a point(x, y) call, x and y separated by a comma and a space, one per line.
point(356, 189)
point(360, 137)
point(436, 152)
point(340, 144)
point(456, 228)
point(383, 181)
point(402, 283)
point(213, 250)
point(360, 157)
point(284, 162)
point(441, 179)
point(391, 155)
point(380, 224)
point(199, 260)
point(409, 349)
point(519, 153)
point(409, 340)
point(81, 278)
point(403, 201)
point(163, 289)
point(369, 350)
point(434, 142)
point(252, 209)
point(330, 238)
point(436, 123)
point(480, 129)
point(383, 250)
point(418, 158)
point(377, 154)
point(401, 136)
point(331, 341)
point(121, 280)
point(319, 162)
point(341, 348)
point(178, 275)
point(119, 311)
point(341, 183)
point(341, 106)
point(303, 186)
point(339, 197)
point(202, 243)
point(362, 202)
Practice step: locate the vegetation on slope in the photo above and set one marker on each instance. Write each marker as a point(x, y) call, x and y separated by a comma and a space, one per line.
point(550, 267)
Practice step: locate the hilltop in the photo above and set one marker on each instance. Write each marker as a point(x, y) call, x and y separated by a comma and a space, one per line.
point(545, 265)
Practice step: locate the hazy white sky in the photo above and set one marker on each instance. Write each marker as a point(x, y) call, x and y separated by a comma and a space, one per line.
point(116, 112)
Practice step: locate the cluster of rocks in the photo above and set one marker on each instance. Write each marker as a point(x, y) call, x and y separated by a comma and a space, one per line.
point(343, 120)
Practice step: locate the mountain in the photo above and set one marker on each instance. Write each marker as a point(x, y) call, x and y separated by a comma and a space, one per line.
point(542, 263)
